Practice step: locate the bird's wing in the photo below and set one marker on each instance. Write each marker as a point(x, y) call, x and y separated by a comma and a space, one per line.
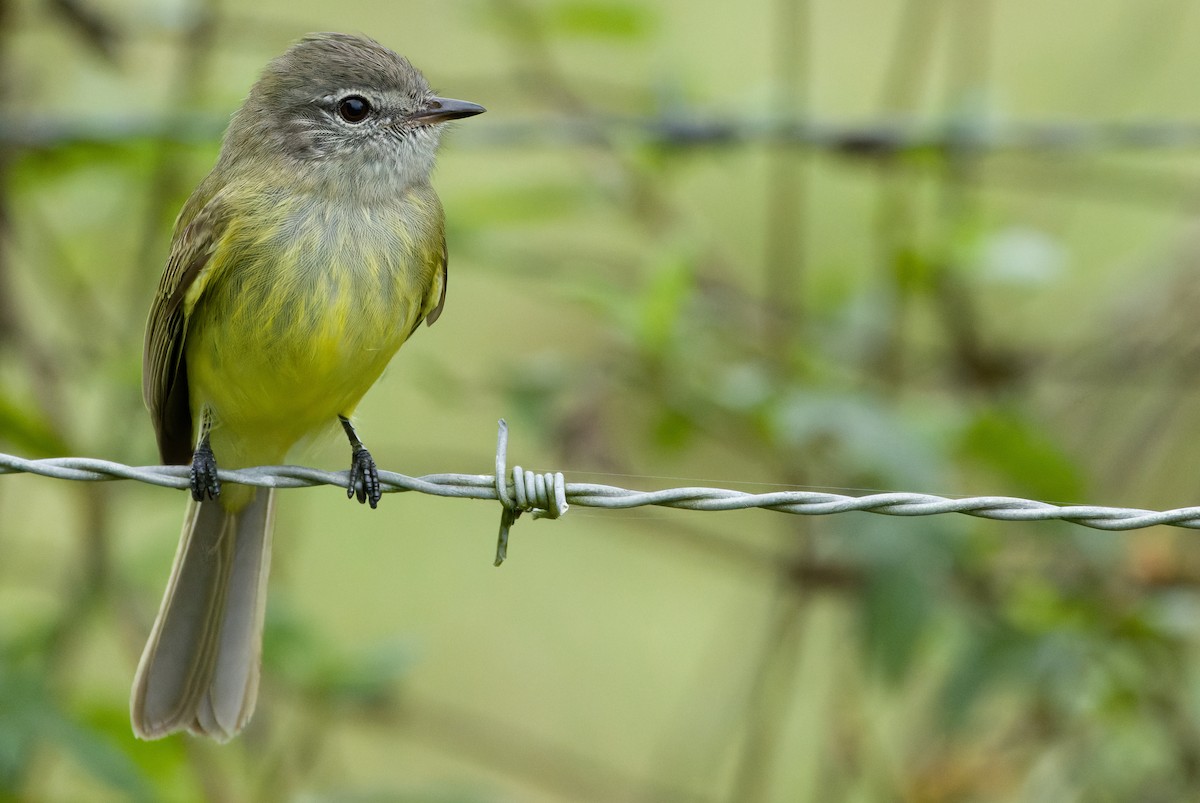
point(438, 290)
point(164, 374)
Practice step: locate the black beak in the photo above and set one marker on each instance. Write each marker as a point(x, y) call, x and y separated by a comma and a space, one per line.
point(439, 110)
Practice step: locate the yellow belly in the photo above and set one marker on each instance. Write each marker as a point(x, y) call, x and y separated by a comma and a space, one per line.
point(300, 317)
point(263, 393)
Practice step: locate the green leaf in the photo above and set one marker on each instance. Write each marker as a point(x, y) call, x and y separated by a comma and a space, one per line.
point(991, 654)
point(673, 429)
point(1023, 454)
point(163, 763)
point(535, 387)
point(872, 440)
point(28, 431)
point(662, 305)
point(294, 650)
point(99, 756)
point(369, 677)
point(601, 20)
point(912, 269)
point(31, 717)
point(896, 611)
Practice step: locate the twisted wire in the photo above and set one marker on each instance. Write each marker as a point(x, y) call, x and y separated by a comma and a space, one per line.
point(548, 495)
point(684, 129)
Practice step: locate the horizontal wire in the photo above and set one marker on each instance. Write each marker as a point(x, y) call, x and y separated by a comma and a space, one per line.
point(685, 129)
point(549, 496)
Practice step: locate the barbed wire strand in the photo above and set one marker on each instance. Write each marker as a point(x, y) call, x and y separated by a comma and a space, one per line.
point(684, 129)
point(548, 495)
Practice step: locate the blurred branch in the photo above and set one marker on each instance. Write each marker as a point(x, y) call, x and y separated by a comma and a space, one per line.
point(908, 72)
point(912, 48)
point(187, 87)
point(50, 133)
point(976, 363)
point(92, 27)
point(785, 295)
point(8, 313)
point(772, 688)
point(525, 754)
point(787, 183)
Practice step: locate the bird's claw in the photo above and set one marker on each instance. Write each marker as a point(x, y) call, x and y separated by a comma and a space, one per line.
point(364, 478)
point(205, 484)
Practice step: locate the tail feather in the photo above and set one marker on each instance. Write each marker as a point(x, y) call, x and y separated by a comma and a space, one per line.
point(200, 669)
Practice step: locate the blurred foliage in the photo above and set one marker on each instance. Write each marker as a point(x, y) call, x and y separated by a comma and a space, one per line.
point(848, 315)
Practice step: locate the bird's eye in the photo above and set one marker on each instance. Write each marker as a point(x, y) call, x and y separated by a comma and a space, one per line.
point(354, 108)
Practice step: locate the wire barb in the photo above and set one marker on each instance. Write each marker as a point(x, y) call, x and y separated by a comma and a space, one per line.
point(509, 512)
point(543, 495)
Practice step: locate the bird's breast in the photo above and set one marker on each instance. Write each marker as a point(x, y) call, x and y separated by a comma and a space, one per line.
point(308, 302)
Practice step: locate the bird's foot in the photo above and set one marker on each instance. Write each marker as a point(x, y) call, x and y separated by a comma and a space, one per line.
point(364, 477)
point(204, 474)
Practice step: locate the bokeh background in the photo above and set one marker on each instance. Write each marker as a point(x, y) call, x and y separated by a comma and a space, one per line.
point(946, 246)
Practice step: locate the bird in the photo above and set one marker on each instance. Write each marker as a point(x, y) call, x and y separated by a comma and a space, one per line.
point(298, 267)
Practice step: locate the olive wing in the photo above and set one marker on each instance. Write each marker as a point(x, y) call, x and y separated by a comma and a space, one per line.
point(164, 372)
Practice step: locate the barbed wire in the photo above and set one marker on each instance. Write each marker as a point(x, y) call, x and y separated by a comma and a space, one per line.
point(682, 129)
point(548, 495)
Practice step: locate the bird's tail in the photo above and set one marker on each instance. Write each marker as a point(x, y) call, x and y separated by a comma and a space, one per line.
point(199, 671)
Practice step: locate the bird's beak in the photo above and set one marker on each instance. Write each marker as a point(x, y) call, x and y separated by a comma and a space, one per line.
point(439, 110)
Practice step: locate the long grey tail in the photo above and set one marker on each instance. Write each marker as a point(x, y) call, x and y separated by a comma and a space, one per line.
point(199, 671)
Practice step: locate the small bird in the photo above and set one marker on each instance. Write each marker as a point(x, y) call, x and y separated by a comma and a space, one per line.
point(310, 253)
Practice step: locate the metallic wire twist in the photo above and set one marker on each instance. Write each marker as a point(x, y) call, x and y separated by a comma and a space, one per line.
point(548, 495)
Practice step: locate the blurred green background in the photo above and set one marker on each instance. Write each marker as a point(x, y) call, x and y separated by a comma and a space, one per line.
point(946, 246)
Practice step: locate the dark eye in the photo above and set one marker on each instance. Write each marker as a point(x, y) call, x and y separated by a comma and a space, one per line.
point(354, 108)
